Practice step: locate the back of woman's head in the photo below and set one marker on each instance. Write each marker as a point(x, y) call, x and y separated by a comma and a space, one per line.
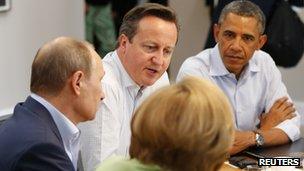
point(185, 126)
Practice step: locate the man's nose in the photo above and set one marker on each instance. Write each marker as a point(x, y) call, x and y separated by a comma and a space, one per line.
point(158, 58)
point(236, 44)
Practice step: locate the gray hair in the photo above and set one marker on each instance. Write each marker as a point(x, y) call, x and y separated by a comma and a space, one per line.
point(244, 8)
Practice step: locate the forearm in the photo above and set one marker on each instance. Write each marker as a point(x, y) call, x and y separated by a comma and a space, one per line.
point(274, 136)
point(243, 140)
point(246, 139)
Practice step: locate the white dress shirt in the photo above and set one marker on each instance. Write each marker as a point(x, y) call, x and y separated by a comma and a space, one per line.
point(69, 133)
point(109, 133)
point(258, 87)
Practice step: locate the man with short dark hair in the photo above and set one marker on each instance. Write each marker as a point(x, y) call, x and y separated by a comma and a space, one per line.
point(264, 113)
point(134, 70)
point(65, 90)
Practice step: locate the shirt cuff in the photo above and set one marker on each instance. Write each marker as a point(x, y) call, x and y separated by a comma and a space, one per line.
point(289, 127)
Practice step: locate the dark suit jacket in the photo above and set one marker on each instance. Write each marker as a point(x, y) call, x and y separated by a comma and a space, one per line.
point(30, 140)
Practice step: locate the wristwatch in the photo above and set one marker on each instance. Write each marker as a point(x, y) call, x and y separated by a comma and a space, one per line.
point(259, 139)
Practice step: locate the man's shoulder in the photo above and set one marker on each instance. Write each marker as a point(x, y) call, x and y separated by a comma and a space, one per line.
point(263, 60)
point(112, 73)
point(41, 156)
point(22, 118)
point(23, 131)
point(196, 65)
point(265, 66)
point(25, 126)
point(202, 57)
point(17, 157)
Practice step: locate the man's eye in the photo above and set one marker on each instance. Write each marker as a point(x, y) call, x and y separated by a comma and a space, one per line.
point(248, 38)
point(168, 52)
point(149, 48)
point(228, 34)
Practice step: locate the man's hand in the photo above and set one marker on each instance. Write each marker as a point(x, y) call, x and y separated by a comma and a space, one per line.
point(279, 112)
point(245, 139)
point(242, 140)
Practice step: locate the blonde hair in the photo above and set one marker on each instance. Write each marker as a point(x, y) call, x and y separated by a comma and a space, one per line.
point(185, 126)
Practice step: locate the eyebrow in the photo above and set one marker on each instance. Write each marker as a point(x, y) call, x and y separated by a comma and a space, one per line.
point(245, 34)
point(149, 42)
point(229, 31)
point(170, 48)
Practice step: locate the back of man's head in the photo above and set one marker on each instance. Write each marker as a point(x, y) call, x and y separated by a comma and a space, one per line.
point(56, 61)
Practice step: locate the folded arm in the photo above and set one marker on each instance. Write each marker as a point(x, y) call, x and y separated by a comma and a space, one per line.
point(281, 111)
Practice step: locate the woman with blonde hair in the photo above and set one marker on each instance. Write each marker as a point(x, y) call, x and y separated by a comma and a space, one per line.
point(183, 127)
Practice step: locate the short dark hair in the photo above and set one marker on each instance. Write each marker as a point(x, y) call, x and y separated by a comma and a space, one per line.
point(56, 61)
point(130, 21)
point(244, 8)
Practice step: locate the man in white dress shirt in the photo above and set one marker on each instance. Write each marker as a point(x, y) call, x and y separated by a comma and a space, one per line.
point(263, 111)
point(134, 70)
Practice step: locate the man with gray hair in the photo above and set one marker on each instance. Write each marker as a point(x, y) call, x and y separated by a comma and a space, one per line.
point(263, 111)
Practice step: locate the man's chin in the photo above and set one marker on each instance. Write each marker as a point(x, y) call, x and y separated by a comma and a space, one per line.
point(91, 116)
point(149, 82)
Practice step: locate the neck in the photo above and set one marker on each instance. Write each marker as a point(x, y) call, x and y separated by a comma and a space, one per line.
point(122, 60)
point(60, 103)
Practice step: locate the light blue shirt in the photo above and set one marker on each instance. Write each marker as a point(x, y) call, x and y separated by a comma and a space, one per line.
point(258, 87)
point(69, 132)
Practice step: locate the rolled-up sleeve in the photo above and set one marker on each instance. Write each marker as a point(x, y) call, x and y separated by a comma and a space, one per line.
point(276, 90)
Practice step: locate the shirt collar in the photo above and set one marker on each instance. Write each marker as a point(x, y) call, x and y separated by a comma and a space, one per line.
point(217, 67)
point(68, 131)
point(253, 66)
point(127, 81)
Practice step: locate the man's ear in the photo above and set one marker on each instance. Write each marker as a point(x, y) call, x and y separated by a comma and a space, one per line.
point(77, 81)
point(123, 39)
point(216, 31)
point(262, 40)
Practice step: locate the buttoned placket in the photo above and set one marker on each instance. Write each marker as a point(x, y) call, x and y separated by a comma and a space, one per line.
point(136, 99)
point(135, 105)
